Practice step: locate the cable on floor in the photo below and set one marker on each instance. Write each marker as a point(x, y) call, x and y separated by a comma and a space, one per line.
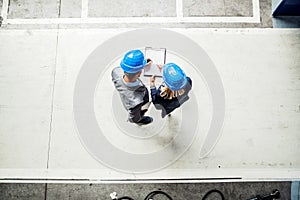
point(157, 192)
point(213, 191)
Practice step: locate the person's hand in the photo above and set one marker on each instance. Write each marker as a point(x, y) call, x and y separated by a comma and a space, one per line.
point(160, 67)
point(149, 62)
point(152, 80)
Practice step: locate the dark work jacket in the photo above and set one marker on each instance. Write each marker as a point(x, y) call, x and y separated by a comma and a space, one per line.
point(168, 105)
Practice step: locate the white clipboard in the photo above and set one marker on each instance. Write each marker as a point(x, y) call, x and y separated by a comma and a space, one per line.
point(158, 57)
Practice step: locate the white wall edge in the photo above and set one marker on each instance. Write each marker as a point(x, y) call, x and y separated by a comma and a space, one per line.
point(106, 176)
point(133, 20)
point(256, 10)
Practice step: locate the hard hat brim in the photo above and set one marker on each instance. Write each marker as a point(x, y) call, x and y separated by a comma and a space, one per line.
point(184, 82)
point(132, 69)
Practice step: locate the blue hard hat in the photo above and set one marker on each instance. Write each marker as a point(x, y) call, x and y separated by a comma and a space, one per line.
point(174, 77)
point(133, 61)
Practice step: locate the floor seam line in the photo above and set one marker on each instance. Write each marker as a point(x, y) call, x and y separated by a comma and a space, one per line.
point(52, 99)
point(46, 188)
point(59, 9)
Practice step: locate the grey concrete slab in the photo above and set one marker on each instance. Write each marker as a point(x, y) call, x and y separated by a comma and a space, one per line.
point(18, 191)
point(66, 147)
point(265, 13)
point(26, 79)
point(70, 8)
point(66, 150)
point(238, 8)
point(250, 121)
point(132, 8)
point(33, 9)
point(256, 95)
point(194, 8)
point(182, 191)
point(253, 117)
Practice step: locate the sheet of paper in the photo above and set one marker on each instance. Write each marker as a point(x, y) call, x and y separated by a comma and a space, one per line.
point(158, 57)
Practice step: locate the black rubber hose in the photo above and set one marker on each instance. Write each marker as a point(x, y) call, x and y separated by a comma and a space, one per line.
point(213, 191)
point(125, 198)
point(154, 193)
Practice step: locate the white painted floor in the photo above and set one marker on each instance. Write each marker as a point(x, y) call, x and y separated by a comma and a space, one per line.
point(260, 72)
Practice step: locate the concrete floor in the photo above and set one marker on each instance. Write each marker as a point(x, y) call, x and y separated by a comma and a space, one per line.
point(139, 191)
point(44, 48)
point(171, 13)
point(41, 94)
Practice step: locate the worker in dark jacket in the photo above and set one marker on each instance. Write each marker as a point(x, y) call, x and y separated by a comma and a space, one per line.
point(133, 93)
point(173, 92)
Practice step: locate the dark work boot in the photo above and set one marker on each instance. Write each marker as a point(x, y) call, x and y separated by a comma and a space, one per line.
point(145, 120)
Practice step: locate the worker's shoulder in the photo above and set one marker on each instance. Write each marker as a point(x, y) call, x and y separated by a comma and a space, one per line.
point(116, 72)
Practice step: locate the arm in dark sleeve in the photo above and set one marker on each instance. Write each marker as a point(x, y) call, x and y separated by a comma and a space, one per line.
point(154, 92)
